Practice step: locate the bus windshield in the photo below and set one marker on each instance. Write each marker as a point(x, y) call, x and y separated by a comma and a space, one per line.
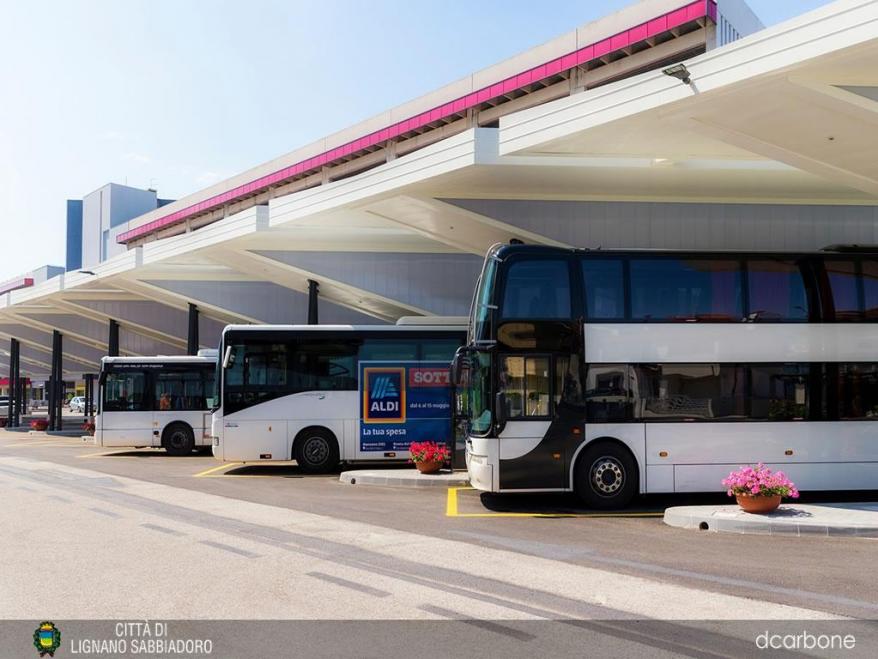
point(480, 330)
point(213, 400)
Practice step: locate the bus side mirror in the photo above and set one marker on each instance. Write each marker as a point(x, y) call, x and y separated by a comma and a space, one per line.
point(500, 408)
point(459, 365)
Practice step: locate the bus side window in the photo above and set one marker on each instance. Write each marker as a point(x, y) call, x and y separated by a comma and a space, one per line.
point(568, 384)
point(124, 392)
point(537, 289)
point(525, 381)
point(607, 393)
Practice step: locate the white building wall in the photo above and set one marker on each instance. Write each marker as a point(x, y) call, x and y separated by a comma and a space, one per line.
point(697, 226)
point(108, 209)
point(735, 19)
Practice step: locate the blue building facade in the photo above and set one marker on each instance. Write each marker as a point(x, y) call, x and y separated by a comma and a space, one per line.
point(74, 234)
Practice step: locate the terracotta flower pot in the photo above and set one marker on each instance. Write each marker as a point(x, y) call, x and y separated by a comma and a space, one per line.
point(756, 504)
point(429, 467)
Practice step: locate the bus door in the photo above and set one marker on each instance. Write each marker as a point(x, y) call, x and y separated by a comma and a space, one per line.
point(126, 417)
point(460, 410)
point(532, 453)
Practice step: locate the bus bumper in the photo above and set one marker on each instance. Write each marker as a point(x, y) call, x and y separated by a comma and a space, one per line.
point(481, 472)
point(216, 447)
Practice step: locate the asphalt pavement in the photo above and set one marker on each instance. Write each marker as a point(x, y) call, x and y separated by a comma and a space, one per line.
point(139, 534)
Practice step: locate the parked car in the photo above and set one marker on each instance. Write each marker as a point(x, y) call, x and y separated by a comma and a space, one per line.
point(4, 405)
point(77, 404)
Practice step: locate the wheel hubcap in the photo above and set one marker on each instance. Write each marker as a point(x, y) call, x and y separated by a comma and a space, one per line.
point(178, 440)
point(607, 476)
point(316, 450)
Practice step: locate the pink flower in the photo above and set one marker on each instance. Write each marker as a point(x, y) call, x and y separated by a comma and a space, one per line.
point(759, 481)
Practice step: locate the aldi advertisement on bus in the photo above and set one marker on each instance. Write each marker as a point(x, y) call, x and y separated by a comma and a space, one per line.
point(404, 402)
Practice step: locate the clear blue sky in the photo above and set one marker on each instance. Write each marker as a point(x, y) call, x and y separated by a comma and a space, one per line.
point(178, 94)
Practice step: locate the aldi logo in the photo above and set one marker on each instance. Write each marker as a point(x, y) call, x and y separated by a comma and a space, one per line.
point(384, 395)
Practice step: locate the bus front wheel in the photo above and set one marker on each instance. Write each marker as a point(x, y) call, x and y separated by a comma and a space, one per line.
point(606, 476)
point(316, 451)
point(178, 439)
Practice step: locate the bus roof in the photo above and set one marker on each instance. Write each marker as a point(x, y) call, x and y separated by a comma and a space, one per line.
point(156, 359)
point(345, 328)
point(502, 250)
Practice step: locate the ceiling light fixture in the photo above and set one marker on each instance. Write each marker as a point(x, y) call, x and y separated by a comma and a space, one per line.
point(678, 71)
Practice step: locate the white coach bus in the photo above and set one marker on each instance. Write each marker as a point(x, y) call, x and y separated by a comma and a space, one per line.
point(325, 394)
point(611, 373)
point(156, 401)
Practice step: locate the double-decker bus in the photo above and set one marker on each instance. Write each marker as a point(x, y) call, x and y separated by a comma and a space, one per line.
point(609, 373)
point(326, 394)
point(160, 401)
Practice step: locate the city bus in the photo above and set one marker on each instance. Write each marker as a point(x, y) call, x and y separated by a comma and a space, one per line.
point(612, 373)
point(328, 394)
point(161, 402)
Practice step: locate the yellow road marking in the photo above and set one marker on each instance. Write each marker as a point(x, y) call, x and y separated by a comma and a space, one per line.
point(451, 502)
point(451, 510)
point(225, 465)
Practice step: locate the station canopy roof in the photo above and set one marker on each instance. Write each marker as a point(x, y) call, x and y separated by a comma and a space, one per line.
point(786, 115)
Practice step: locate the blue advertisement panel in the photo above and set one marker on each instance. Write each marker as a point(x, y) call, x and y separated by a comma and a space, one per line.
point(404, 402)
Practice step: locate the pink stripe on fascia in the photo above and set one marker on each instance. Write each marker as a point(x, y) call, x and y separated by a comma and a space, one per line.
point(584, 55)
point(657, 26)
point(619, 41)
point(554, 67)
point(677, 17)
point(15, 284)
point(602, 48)
point(660, 24)
point(638, 33)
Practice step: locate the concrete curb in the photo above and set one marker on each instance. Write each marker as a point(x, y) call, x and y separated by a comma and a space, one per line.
point(848, 519)
point(403, 478)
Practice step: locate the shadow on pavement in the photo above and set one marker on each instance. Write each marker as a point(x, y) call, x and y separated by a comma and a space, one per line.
point(569, 504)
point(276, 471)
point(148, 453)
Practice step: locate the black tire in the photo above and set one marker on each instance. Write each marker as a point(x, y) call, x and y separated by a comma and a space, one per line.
point(606, 476)
point(316, 451)
point(178, 439)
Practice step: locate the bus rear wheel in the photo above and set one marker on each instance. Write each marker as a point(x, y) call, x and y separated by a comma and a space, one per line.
point(606, 476)
point(178, 439)
point(316, 451)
